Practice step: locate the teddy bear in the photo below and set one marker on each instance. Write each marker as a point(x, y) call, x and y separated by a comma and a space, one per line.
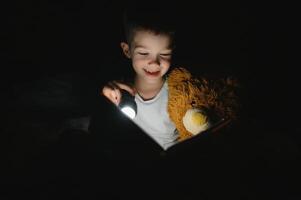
point(197, 104)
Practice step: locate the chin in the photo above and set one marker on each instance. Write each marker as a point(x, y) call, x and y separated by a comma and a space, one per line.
point(153, 80)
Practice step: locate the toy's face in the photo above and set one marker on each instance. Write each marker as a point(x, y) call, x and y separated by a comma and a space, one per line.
point(151, 55)
point(197, 105)
point(195, 121)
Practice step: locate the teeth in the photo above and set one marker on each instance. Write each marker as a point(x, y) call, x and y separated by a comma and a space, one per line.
point(151, 71)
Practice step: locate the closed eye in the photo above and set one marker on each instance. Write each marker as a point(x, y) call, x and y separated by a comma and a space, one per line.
point(166, 54)
point(144, 54)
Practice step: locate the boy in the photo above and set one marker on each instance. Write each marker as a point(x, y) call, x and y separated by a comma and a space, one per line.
point(149, 45)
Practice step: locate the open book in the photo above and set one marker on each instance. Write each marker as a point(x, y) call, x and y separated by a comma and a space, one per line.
point(116, 132)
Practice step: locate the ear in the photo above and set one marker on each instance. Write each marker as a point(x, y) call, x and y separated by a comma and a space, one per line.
point(126, 49)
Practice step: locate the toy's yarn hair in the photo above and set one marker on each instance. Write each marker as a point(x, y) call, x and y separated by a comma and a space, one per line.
point(186, 92)
point(178, 98)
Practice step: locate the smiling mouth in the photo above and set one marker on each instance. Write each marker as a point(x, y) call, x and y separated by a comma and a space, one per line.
point(155, 73)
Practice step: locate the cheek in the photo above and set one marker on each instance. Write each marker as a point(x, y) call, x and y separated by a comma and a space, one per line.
point(138, 63)
point(165, 67)
point(166, 64)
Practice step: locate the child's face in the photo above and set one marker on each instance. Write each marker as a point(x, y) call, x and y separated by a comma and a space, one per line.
point(151, 55)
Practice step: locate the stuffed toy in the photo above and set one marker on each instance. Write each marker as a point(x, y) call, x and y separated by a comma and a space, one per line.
point(194, 105)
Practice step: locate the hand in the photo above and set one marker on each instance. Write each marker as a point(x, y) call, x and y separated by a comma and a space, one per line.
point(113, 93)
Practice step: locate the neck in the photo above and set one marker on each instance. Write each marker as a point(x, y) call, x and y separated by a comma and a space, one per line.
point(146, 89)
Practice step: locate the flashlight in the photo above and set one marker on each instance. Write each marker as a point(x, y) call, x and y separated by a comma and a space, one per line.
point(127, 104)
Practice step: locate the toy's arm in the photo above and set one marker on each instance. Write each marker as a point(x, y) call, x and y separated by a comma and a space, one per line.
point(220, 125)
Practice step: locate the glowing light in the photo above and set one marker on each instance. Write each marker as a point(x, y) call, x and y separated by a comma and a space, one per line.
point(127, 104)
point(128, 111)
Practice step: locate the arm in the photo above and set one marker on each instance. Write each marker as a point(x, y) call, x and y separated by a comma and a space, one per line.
point(113, 93)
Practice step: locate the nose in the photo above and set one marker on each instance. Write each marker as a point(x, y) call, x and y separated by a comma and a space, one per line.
point(154, 61)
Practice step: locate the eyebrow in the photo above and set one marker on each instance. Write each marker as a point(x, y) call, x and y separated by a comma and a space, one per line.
point(140, 46)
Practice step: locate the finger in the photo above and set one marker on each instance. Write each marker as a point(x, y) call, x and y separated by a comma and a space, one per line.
point(113, 97)
point(106, 91)
point(112, 85)
point(112, 94)
point(117, 96)
point(131, 90)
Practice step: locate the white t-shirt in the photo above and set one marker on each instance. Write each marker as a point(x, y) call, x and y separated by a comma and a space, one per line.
point(153, 118)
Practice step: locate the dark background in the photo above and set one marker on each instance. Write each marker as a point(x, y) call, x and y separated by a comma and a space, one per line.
point(56, 55)
point(79, 41)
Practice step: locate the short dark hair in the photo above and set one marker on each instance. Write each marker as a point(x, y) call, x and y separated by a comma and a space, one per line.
point(155, 20)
